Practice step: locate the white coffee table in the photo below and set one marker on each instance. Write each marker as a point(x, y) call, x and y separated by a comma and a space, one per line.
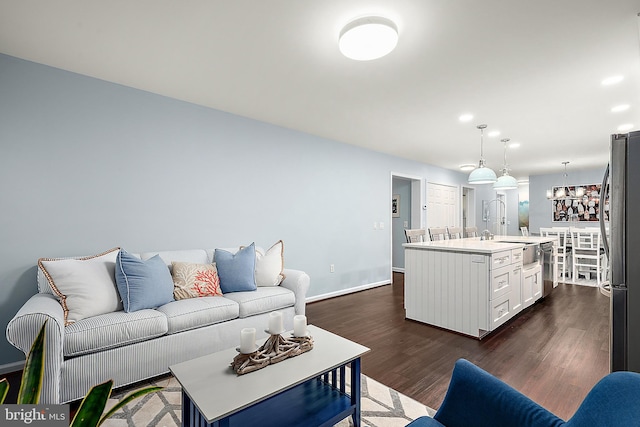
point(306, 390)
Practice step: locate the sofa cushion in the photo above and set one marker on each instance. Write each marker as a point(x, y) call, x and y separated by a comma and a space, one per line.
point(191, 280)
point(142, 284)
point(269, 265)
point(236, 271)
point(85, 286)
point(262, 300)
point(197, 312)
point(112, 330)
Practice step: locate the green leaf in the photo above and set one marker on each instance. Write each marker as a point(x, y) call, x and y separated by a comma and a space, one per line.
point(4, 389)
point(92, 405)
point(132, 396)
point(33, 374)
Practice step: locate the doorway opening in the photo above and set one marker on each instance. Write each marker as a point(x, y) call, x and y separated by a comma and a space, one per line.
point(407, 199)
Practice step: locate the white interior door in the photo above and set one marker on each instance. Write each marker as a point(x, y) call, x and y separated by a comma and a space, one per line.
point(442, 205)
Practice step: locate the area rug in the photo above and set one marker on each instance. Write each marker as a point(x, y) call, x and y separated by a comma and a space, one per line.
point(381, 406)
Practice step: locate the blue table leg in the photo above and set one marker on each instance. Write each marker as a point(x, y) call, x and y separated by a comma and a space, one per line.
point(355, 391)
point(186, 410)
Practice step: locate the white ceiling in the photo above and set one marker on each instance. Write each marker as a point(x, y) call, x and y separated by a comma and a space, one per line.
point(531, 69)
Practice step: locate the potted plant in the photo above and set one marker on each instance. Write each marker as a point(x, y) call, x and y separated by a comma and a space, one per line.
point(90, 413)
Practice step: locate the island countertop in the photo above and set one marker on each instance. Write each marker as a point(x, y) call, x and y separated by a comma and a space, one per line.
point(475, 244)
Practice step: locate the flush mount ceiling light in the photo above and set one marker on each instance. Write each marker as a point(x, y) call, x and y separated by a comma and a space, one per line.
point(368, 38)
point(506, 181)
point(620, 108)
point(466, 117)
point(612, 80)
point(482, 174)
point(467, 167)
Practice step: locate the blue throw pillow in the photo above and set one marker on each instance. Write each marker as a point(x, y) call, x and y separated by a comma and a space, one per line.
point(143, 284)
point(236, 271)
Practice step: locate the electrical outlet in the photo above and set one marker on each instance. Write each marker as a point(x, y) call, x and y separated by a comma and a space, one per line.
point(381, 225)
point(332, 268)
point(375, 225)
point(406, 224)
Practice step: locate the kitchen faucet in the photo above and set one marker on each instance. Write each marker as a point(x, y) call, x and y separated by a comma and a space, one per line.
point(487, 216)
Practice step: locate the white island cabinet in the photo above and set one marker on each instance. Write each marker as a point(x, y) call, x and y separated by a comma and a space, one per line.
point(469, 286)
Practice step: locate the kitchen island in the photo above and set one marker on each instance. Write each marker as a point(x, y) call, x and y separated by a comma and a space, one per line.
point(470, 286)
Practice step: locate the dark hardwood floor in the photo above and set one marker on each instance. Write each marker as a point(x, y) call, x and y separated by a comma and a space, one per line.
point(554, 352)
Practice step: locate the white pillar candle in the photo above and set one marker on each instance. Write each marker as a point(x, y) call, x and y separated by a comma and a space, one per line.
point(299, 326)
point(275, 323)
point(247, 340)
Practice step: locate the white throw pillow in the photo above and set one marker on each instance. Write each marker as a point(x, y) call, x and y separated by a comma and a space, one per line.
point(269, 265)
point(85, 286)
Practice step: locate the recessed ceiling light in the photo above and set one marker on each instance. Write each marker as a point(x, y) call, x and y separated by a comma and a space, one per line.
point(368, 38)
point(465, 117)
point(493, 133)
point(514, 145)
point(626, 126)
point(619, 108)
point(612, 80)
point(467, 167)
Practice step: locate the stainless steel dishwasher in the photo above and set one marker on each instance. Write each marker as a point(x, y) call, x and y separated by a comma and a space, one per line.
point(547, 267)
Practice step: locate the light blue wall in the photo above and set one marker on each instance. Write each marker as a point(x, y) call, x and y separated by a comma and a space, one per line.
point(86, 165)
point(540, 207)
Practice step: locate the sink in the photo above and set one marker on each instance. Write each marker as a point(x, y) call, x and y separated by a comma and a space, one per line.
point(530, 252)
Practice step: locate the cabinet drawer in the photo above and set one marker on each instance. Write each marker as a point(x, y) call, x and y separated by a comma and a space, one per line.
point(501, 311)
point(500, 281)
point(500, 259)
point(516, 255)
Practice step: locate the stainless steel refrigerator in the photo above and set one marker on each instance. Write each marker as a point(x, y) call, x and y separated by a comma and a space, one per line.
point(623, 247)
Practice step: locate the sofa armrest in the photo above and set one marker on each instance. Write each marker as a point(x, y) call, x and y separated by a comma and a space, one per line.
point(297, 281)
point(23, 329)
point(477, 398)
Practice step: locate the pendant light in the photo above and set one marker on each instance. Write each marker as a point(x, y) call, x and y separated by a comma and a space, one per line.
point(506, 181)
point(565, 192)
point(482, 174)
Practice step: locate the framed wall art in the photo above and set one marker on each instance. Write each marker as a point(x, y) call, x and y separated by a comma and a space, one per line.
point(580, 209)
point(395, 206)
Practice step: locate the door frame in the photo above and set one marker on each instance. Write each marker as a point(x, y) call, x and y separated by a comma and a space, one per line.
point(471, 206)
point(417, 202)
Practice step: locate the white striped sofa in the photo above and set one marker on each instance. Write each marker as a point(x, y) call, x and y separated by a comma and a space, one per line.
point(129, 347)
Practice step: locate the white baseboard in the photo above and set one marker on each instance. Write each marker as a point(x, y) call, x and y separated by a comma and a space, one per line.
point(397, 270)
point(347, 291)
point(11, 367)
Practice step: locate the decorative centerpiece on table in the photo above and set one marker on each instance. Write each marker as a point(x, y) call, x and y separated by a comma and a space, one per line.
point(277, 347)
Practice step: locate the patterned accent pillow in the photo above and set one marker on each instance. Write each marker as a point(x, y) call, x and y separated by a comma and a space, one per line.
point(84, 286)
point(195, 280)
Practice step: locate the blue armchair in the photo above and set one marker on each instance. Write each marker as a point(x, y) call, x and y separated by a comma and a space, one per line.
point(475, 398)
